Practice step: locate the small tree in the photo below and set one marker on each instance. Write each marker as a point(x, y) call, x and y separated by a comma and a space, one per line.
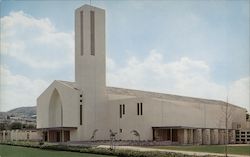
point(29, 126)
point(3, 126)
point(247, 116)
point(112, 138)
point(136, 133)
point(93, 134)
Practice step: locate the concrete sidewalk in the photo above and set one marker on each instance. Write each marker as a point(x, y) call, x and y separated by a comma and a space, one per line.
point(174, 151)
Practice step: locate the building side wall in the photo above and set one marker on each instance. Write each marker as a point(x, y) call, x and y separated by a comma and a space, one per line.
point(160, 113)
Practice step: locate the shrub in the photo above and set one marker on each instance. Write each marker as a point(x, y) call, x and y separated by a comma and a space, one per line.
point(16, 125)
point(94, 150)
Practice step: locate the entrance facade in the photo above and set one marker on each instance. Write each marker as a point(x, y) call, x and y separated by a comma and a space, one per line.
point(165, 134)
point(57, 134)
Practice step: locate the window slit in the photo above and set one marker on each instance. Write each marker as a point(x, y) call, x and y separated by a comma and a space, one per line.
point(92, 33)
point(81, 32)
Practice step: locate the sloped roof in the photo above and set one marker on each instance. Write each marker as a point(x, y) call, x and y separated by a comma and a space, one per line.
point(69, 84)
point(163, 96)
point(147, 94)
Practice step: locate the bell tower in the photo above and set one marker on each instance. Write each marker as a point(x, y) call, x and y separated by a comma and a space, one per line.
point(90, 68)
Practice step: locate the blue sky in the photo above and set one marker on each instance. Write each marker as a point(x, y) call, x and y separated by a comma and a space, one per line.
point(193, 48)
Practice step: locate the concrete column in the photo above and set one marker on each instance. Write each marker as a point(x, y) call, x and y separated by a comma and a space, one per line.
point(12, 135)
point(185, 136)
point(214, 135)
point(197, 136)
point(171, 135)
point(231, 136)
point(190, 136)
point(221, 136)
point(4, 135)
point(206, 136)
point(182, 136)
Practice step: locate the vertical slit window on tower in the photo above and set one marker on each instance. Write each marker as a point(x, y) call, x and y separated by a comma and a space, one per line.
point(123, 109)
point(81, 32)
point(120, 111)
point(141, 108)
point(138, 110)
point(80, 114)
point(92, 33)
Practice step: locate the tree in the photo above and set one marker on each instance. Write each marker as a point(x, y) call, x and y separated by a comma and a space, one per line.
point(136, 133)
point(228, 115)
point(247, 116)
point(93, 134)
point(112, 138)
point(16, 125)
point(3, 126)
point(29, 126)
point(225, 119)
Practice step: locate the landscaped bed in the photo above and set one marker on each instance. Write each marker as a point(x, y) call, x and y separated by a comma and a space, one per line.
point(26, 149)
point(33, 149)
point(17, 151)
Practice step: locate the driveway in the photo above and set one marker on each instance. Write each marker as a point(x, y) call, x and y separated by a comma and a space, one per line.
point(175, 151)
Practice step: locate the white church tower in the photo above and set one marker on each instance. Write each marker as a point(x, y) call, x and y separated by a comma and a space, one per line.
point(90, 70)
point(77, 111)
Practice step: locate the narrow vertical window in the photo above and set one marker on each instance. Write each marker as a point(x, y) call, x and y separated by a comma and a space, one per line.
point(141, 108)
point(120, 111)
point(138, 109)
point(92, 33)
point(80, 114)
point(123, 109)
point(81, 32)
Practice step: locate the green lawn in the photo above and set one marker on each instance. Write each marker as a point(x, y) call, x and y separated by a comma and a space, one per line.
point(15, 151)
point(242, 150)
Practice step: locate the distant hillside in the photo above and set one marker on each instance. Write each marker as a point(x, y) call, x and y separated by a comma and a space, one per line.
point(3, 115)
point(22, 111)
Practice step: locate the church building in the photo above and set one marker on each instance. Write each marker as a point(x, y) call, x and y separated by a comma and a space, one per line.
point(87, 110)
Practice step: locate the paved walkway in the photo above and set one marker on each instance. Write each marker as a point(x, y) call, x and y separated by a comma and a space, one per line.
point(167, 150)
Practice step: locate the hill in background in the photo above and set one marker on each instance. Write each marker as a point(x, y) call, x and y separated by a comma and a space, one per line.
point(20, 112)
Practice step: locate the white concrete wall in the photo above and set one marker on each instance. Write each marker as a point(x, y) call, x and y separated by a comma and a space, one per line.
point(160, 113)
point(70, 103)
point(19, 135)
point(248, 125)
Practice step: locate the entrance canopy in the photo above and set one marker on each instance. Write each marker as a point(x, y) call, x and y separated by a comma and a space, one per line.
point(174, 127)
point(58, 128)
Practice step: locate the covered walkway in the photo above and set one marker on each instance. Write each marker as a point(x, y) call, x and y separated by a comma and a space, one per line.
point(191, 135)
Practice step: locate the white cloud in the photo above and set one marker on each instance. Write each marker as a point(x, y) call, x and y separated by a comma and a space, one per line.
point(17, 90)
point(184, 77)
point(35, 42)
